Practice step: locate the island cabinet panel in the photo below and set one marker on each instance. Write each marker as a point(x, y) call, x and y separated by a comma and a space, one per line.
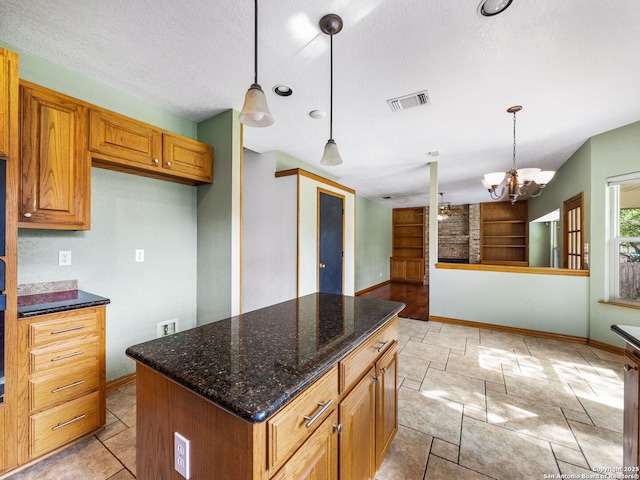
point(221, 444)
point(357, 440)
point(54, 165)
point(631, 432)
point(62, 365)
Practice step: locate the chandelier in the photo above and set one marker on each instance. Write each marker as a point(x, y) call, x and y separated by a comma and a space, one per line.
point(522, 181)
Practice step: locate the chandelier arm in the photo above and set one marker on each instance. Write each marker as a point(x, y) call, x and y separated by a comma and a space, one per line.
point(538, 192)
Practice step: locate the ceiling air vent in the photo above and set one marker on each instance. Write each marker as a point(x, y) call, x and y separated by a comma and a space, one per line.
point(409, 101)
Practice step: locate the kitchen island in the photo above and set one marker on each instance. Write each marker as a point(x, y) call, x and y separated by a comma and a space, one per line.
point(288, 391)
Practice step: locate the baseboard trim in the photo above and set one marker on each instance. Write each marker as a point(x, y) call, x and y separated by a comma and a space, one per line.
point(606, 347)
point(373, 287)
point(120, 382)
point(533, 333)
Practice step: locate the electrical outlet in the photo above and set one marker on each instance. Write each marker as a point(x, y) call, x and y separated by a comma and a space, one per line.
point(64, 258)
point(139, 255)
point(181, 455)
point(168, 327)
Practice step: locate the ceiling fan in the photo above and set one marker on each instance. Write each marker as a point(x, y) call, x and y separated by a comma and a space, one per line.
point(445, 210)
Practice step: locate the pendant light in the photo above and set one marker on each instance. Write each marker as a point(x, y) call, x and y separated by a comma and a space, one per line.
point(255, 112)
point(331, 24)
point(519, 181)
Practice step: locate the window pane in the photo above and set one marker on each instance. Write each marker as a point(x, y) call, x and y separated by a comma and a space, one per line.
point(629, 286)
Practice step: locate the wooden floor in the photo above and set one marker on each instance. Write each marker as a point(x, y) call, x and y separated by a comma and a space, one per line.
point(415, 296)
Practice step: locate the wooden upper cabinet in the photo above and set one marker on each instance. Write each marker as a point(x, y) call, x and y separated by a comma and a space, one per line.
point(129, 141)
point(189, 158)
point(124, 144)
point(54, 165)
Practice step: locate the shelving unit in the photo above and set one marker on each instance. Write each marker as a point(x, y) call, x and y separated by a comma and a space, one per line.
point(504, 234)
point(407, 260)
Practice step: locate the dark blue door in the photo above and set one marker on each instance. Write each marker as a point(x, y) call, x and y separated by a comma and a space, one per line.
point(331, 242)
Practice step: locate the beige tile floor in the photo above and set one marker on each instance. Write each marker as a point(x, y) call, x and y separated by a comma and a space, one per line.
point(473, 404)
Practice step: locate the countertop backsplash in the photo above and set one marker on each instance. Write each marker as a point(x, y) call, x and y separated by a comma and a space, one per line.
point(47, 287)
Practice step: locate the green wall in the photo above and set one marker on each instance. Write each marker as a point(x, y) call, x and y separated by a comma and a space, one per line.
point(570, 179)
point(373, 243)
point(612, 153)
point(219, 221)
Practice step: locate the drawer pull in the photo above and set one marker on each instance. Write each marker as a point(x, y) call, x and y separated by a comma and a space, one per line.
point(75, 354)
point(628, 367)
point(71, 385)
point(60, 425)
point(381, 345)
point(313, 419)
point(70, 329)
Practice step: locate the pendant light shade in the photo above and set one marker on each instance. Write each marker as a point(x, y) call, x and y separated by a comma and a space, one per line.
point(331, 24)
point(255, 112)
point(331, 156)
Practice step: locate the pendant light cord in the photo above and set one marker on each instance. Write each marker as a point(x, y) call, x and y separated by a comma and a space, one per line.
point(514, 140)
point(331, 92)
point(255, 45)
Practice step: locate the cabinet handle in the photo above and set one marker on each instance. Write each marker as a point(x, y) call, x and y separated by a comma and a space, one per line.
point(337, 428)
point(628, 367)
point(155, 160)
point(27, 215)
point(71, 385)
point(168, 164)
point(381, 345)
point(313, 419)
point(70, 329)
point(75, 354)
point(60, 425)
point(383, 369)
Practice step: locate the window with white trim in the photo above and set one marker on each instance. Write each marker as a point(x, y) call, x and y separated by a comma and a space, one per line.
point(625, 238)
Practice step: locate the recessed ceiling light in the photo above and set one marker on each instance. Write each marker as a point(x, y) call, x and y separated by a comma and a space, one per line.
point(317, 114)
point(387, 197)
point(489, 8)
point(282, 90)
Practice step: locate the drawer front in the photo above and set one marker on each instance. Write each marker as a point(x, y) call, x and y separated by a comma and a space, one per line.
point(63, 356)
point(59, 425)
point(357, 362)
point(62, 327)
point(47, 391)
point(291, 426)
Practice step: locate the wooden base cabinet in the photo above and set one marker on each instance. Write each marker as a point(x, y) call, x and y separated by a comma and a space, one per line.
point(62, 361)
point(631, 432)
point(386, 402)
point(410, 270)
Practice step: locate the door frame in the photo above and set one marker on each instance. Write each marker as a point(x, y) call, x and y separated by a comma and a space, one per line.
point(343, 199)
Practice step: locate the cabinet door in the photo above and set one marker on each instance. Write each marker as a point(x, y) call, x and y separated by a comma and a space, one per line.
point(631, 433)
point(414, 270)
point(357, 440)
point(8, 75)
point(398, 269)
point(129, 142)
point(317, 458)
point(386, 402)
point(187, 158)
point(55, 170)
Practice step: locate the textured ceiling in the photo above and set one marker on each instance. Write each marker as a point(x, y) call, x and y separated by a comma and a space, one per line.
point(574, 65)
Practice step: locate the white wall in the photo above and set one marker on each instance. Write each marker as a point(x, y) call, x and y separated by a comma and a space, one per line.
point(548, 303)
point(128, 212)
point(308, 236)
point(269, 233)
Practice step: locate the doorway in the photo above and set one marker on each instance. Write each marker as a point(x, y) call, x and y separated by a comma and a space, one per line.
point(330, 242)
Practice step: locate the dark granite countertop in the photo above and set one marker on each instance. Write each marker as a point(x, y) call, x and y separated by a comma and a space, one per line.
point(52, 302)
point(254, 363)
point(629, 334)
